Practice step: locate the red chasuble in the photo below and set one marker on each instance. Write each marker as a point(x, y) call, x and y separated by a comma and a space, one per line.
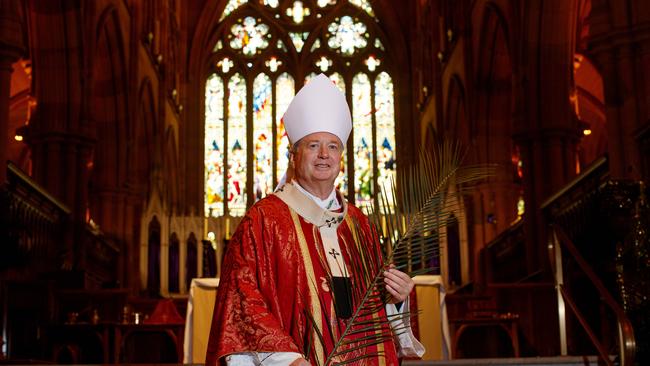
point(274, 276)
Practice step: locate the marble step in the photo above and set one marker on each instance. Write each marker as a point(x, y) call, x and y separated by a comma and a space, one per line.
point(527, 361)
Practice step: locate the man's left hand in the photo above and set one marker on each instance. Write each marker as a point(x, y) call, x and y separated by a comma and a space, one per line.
point(398, 285)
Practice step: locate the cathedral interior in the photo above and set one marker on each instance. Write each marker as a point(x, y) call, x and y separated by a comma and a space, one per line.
point(136, 133)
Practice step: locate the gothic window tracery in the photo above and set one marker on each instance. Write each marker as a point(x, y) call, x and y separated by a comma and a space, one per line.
point(264, 51)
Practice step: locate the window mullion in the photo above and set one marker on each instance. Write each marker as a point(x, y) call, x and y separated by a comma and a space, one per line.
point(226, 118)
point(274, 134)
point(250, 195)
point(350, 148)
point(375, 170)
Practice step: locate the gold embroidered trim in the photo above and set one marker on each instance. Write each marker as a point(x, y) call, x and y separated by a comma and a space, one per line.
point(313, 291)
point(380, 346)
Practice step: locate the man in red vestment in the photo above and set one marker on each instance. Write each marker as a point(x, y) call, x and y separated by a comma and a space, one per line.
point(287, 278)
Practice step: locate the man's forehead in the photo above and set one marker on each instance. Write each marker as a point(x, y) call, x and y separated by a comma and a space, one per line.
point(319, 136)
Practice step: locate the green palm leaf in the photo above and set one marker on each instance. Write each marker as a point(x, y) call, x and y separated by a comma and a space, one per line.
point(407, 221)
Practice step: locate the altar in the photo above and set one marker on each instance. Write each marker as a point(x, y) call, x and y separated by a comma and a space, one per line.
point(432, 324)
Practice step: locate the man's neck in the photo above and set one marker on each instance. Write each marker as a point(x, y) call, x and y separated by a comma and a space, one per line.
point(321, 191)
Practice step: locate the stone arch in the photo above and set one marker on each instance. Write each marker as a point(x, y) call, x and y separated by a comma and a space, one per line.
point(145, 139)
point(108, 110)
point(456, 121)
point(171, 169)
point(199, 62)
point(493, 81)
point(493, 129)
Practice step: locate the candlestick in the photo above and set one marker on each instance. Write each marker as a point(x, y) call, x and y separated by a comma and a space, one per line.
point(205, 227)
point(227, 228)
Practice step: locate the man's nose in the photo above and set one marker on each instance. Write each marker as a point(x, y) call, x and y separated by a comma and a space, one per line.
point(323, 151)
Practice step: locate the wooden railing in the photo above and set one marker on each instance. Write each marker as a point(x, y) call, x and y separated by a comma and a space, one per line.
point(625, 339)
point(38, 236)
point(34, 226)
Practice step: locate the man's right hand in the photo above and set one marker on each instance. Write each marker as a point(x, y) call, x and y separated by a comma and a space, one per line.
point(300, 362)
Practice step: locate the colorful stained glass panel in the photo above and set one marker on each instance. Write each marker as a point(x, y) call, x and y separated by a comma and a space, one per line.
point(236, 146)
point(324, 63)
point(362, 123)
point(338, 81)
point(298, 12)
point(324, 3)
point(347, 35)
point(249, 36)
point(298, 39)
point(385, 119)
point(284, 91)
point(272, 3)
point(214, 133)
point(262, 137)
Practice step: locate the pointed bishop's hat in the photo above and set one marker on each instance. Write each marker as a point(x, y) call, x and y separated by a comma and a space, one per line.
point(318, 107)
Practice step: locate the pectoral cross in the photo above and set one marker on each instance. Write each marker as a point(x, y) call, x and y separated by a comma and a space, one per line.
point(333, 253)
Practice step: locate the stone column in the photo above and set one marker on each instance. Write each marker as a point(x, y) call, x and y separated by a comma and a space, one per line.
point(545, 126)
point(11, 48)
point(619, 44)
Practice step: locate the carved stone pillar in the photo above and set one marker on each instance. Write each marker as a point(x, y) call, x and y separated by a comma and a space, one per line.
point(546, 128)
point(11, 48)
point(619, 43)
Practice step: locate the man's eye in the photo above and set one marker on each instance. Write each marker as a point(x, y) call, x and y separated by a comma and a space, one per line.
point(334, 147)
point(313, 146)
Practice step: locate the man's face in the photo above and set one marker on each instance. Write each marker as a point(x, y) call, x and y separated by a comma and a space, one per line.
point(317, 158)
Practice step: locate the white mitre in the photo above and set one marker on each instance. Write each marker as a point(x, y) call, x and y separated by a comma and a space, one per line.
point(318, 107)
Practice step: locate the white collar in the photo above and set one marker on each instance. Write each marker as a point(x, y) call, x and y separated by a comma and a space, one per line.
point(330, 203)
point(308, 209)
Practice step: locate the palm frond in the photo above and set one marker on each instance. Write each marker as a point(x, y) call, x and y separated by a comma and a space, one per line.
point(408, 221)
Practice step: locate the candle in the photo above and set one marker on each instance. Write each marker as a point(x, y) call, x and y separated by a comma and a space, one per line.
point(205, 227)
point(227, 228)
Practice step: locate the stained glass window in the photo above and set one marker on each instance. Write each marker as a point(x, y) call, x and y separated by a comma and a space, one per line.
point(262, 137)
point(338, 81)
point(237, 146)
point(214, 134)
point(273, 64)
point(249, 36)
point(272, 3)
point(362, 117)
point(347, 35)
point(298, 39)
point(372, 63)
point(324, 3)
point(298, 12)
point(255, 74)
point(385, 122)
point(285, 89)
point(324, 63)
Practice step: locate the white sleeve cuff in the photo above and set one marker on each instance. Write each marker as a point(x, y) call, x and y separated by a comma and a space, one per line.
point(408, 345)
point(262, 358)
